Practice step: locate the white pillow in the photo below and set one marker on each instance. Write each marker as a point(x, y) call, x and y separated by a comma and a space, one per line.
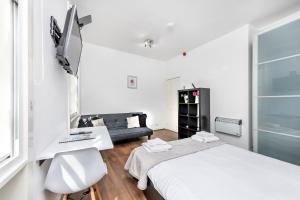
point(98, 122)
point(133, 122)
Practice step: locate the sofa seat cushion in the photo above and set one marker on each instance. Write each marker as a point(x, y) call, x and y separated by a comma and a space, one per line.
point(119, 134)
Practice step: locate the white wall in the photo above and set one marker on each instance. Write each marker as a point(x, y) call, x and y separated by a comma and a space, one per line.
point(223, 66)
point(103, 80)
point(17, 188)
point(49, 91)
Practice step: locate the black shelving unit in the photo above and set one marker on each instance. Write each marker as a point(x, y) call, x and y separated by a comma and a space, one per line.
point(193, 111)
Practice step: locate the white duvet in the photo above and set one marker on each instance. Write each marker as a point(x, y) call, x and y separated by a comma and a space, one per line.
point(226, 173)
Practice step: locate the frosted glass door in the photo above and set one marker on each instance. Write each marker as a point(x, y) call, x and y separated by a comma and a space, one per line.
point(279, 146)
point(279, 78)
point(280, 115)
point(277, 96)
point(279, 43)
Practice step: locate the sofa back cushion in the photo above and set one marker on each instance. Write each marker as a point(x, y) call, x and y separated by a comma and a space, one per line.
point(114, 121)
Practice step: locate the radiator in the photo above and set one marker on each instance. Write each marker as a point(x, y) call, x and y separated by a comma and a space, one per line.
point(228, 126)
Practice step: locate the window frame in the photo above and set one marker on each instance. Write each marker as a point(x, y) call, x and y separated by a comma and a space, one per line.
point(15, 116)
point(18, 158)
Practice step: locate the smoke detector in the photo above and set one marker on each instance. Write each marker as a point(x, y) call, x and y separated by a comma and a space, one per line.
point(148, 43)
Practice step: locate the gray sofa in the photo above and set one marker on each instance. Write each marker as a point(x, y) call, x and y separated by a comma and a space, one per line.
point(117, 125)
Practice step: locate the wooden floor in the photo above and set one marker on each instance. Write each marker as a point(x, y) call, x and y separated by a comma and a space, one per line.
point(118, 184)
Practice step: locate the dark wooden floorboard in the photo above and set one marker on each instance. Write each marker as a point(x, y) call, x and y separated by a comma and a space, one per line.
point(118, 184)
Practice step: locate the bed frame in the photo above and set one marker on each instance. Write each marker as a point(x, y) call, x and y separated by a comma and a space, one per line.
point(151, 193)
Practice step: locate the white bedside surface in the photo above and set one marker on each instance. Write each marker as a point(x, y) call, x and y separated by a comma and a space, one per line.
point(101, 142)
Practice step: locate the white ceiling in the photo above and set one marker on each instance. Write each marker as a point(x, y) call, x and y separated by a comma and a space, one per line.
point(174, 25)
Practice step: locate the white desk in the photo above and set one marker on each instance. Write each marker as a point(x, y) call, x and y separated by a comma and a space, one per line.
point(101, 142)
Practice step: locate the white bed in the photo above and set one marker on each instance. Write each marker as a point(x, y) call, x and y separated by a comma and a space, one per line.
point(226, 173)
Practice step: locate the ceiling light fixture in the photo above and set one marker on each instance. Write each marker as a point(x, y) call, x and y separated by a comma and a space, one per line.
point(148, 43)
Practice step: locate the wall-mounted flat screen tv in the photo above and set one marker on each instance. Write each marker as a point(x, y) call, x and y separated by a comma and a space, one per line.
point(70, 44)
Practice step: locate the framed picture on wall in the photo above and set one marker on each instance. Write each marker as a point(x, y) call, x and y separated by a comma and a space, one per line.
point(132, 82)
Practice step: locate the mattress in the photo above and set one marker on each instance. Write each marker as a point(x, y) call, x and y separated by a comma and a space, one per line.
point(226, 173)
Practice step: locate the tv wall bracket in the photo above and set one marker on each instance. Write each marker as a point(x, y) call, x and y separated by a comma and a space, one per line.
point(85, 20)
point(55, 31)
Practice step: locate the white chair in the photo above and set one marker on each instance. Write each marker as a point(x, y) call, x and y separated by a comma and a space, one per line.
point(74, 171)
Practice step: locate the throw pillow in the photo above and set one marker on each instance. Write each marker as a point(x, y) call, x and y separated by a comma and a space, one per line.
point(83, 122)
point(142, 119)
point(98, 122)
point(75, 122)
point(133, 122)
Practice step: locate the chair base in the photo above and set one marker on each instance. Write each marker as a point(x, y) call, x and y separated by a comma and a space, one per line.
point(94, 190)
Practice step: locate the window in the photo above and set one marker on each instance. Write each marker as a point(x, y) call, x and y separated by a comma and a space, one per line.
point(8, 81)
point(14, 83)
